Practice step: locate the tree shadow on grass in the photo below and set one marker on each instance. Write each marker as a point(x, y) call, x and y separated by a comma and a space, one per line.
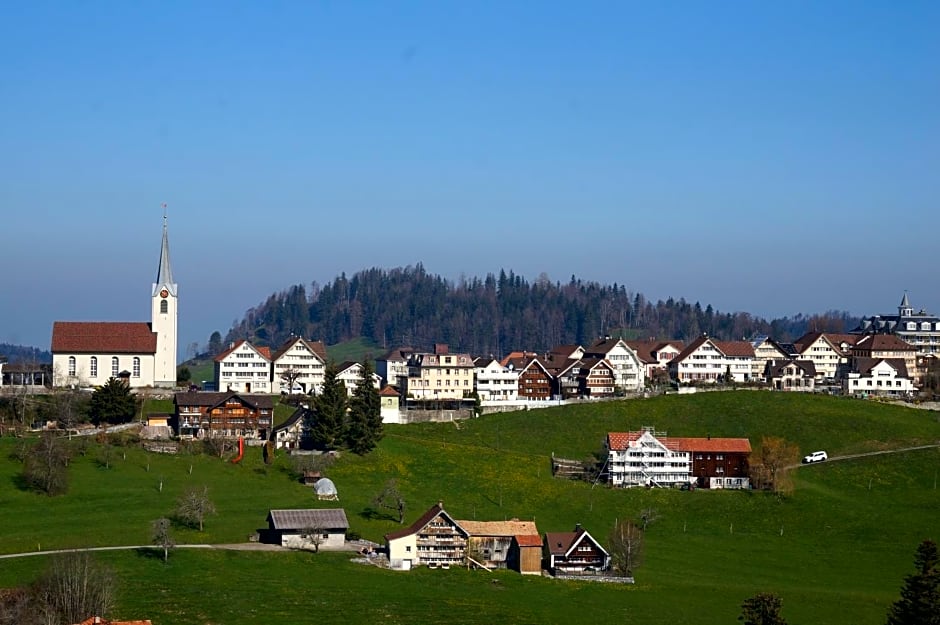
point(371, 514)
point(149, 553)
point(22, 484)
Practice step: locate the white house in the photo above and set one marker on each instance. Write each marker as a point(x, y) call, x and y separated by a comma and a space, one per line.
point(435, 539)
point(707, 360)
point(879, 376)
point(495, 383)
point(302, 360)
point(629, 370)
point(655, 355)
point(243, 368)
point(826, 350)
point(350, 373)
point(643, 459)
point(393, 367)
point(91, 352)
point(766, 350)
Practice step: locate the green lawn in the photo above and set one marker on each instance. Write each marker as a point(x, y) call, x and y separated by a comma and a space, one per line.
point(836, 550)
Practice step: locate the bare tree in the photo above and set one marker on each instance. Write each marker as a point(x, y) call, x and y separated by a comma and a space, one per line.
point(72, 588)
point(161, 536)
point(313, 534)
point(626, 547)
point(391, 499)
point(45, 465)
point(194, 506)
point(288, 377)
point(777, 456)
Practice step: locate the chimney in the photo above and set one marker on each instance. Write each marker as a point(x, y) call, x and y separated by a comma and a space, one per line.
point(577, 527)
point(440, 348)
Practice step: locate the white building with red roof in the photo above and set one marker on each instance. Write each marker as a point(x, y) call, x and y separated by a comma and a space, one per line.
point(144, 353)
point(707, 360)
point(243, 368)
point(649, 458)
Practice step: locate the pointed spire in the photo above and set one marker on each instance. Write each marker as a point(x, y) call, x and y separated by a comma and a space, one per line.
point(904, 302)
point(164, 271)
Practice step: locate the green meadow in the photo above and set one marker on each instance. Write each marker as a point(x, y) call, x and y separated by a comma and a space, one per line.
point(835, 550)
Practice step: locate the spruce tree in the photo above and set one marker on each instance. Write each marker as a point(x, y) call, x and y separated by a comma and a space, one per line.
point(112, 403)
point(920, 596)
point(330, 411)
point(364, 429)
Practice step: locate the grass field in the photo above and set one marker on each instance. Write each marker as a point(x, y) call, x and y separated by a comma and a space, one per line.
point(836, 550)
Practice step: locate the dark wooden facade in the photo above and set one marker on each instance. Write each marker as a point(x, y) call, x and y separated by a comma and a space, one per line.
point(574, 553)
point(223, 414)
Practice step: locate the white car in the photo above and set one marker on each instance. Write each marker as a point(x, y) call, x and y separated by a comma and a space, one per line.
point(816, 456)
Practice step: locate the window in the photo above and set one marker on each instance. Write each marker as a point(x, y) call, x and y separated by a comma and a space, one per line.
point(71, 365)
point(114, 366)
point(136, 369)
point(164, 307)
point(93, 367)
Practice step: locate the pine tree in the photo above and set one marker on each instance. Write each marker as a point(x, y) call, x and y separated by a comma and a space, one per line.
point(364, 429)
point(920, 596)
point(112, 403)
point(329, 409)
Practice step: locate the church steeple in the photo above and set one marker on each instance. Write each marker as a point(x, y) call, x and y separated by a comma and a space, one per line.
point(164, 270)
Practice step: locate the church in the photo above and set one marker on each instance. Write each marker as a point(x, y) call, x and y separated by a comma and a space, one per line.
point(88, 353)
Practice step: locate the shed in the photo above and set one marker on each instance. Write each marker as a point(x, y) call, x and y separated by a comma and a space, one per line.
point(308, 528)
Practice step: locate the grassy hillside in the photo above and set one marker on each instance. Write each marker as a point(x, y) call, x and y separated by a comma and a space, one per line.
point(835, 551)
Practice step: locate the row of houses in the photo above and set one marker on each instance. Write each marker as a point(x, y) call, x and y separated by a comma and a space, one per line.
point(438, 540)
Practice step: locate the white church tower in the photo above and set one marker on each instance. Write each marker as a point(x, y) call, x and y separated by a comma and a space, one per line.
point(164, 302)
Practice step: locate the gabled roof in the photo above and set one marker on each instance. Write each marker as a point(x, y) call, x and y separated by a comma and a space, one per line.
point(619, 441)
point(593, 363)
point(513, 356)
point(777, 367)
point(879, 342)
point(835, 340)
point(389, 391)
point(399, 354)
point(603, 346)
point(334, 518)
point(264, 352)
point(523, 364)
point(513, 527)
point(103, 337)
point(211, 400)
point(346, 365)
point(691, 347)
point(865, 365)
point(735, 349)
point(563, 543)
point(315, 347)
point(422, 522)
point(292, 420)
point(647, 351)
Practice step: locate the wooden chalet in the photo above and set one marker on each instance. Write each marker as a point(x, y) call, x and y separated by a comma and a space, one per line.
point(228, 414)
point(435, 540)
point(535, 379)
point(574, 553)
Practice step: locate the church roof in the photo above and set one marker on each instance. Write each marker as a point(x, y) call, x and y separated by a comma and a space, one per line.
point(103, 337)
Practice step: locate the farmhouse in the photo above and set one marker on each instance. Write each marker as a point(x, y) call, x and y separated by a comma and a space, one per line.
point(649, 458)
point(574, 553)
point(223, 414)
point(435, 539)
point(310, 528)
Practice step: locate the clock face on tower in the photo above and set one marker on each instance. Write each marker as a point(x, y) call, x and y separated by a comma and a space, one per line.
point(164, 293)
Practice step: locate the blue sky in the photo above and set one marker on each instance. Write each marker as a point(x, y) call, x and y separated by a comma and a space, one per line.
point(769, 157)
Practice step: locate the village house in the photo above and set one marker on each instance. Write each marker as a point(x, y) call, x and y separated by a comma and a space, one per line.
point(535, 380)
point(711, 361)
point(919, 329)
point(767, 349)
point(349, 373)
point(655, 355)
point(574, 553)
point(390, 404)
point(494, 382)
point(301, 363)
point(227, 414)
point(791, 375)
point(393, 367)
point(886, 346)
point(629, 372)
point(878, 376)
point(828, 352)
point(293, 433)
point(243, 368)
point(649, 458)
point(434, 540)
point(440, 375)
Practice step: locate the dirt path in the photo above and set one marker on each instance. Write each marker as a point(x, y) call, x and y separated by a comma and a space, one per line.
point(867, 453)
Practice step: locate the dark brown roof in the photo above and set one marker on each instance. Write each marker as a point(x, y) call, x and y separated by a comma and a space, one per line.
point(647, 350)
point(738, 349)
point(865, 365)
point(198, 398)
point(422, 521)
point(881, 342)
point(777, 367)
point(103, 337)
point(691, 347)
point(317, 347)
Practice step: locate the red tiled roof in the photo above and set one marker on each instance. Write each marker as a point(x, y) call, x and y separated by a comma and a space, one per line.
point(619, 441)
point(389, 391)
point(877, 342)
point(264, 351)
point(103, 337)
point(740, 349)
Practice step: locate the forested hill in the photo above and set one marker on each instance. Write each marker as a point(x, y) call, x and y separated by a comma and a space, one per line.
point(23, 353)
point(496, 314)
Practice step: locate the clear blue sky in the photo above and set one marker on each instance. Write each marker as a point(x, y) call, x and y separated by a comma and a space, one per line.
point(773, 157)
